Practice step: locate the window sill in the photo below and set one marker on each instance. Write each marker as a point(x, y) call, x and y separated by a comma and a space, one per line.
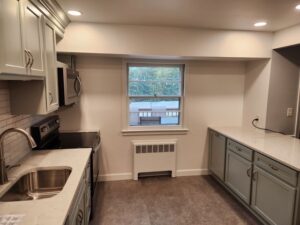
point(157, 131)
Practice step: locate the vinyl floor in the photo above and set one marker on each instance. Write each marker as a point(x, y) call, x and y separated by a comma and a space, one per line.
point(168, 201)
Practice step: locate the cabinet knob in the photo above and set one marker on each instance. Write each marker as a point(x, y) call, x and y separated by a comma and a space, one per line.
point(44, 129)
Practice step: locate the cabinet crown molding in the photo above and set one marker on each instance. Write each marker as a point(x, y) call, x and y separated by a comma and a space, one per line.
point(55, 12)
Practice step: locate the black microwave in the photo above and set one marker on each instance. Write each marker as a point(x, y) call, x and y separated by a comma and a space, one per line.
point(69, 85)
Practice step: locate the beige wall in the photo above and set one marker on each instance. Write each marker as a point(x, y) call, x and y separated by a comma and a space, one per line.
point(256, 91)
point(214, 95)
point(283, 94)
point(271, 86)
point(287, 37)
point(150, 41)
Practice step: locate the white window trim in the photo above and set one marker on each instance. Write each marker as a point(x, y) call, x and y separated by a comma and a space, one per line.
point(152, 130)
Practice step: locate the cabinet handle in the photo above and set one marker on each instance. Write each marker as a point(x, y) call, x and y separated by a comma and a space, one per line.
point(77, 82)
point(249, 171)
point(32, 59)
point(273, 167)
point(238, 149)
point(254, 177)
point(27, 57)
point(51, 98)
point(79, 217)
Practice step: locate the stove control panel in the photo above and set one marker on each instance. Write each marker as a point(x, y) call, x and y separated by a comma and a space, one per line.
point(44, 128)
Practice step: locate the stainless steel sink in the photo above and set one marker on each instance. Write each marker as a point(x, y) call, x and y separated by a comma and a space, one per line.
point(38, 184)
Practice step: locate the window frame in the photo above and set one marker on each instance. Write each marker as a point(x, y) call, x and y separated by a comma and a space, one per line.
point(153, 129)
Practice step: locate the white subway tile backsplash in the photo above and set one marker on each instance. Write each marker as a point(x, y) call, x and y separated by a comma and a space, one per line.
point(15, 145)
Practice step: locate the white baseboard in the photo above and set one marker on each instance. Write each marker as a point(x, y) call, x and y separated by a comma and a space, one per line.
point(192, 172)
point(128, 176)
point(115, 176)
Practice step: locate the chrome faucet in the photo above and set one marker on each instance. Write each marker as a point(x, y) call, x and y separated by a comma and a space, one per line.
point(3, 169)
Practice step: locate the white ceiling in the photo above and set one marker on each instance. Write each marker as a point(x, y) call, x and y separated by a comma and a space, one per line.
point(216, 14)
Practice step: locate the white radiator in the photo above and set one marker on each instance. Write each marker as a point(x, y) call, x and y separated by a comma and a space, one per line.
point(154, 156)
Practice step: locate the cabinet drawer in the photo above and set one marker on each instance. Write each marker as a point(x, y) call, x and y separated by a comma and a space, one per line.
point(277, 169)
point(240, 149)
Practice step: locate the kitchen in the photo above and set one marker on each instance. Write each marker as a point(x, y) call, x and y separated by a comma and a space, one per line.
point(169, 100)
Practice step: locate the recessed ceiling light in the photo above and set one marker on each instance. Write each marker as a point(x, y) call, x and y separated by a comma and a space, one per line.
point(74, 13)
point(298, 7)
point(260, 24)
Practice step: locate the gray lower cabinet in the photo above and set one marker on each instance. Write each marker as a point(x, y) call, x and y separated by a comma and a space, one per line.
point(272, 198)
point(269, 189)
point(217, 154)
point(238, 175)
point(79, 213)
point(76, 215)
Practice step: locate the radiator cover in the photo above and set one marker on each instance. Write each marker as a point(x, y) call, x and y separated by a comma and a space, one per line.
point(154, 156)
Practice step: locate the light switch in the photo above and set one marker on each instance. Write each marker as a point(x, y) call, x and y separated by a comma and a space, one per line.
point(289, 112)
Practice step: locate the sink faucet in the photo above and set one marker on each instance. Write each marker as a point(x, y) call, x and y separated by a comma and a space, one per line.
point(3, 170)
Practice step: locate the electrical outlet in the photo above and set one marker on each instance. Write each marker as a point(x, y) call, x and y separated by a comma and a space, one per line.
point(289, 112)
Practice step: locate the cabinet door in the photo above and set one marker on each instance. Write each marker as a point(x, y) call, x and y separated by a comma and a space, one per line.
point(88, 203)
point(32, 21)
point(51, 70)
point(80, 217)
point(272, 198)
point(238, 175)
point(217, 154)
point(13, 55)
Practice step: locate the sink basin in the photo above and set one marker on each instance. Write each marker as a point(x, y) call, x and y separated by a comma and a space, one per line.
point(38, 184)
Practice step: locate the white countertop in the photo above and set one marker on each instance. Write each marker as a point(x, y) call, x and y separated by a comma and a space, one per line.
point(282, 148)
point(54, 210)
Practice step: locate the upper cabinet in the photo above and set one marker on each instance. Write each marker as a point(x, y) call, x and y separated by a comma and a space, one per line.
point(41, 96)
point(33, 38)
point(51, 71)
point(22, 42)
point(13, 58)
point(22, 37)
point(29, 53)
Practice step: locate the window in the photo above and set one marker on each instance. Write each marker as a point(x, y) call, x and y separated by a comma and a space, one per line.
point(155, 94)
